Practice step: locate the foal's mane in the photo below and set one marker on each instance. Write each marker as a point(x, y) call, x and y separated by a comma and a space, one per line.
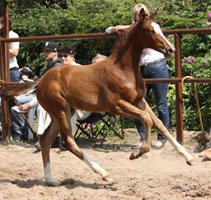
point(122, 42)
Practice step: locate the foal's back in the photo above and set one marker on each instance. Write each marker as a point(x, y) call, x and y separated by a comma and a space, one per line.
point(88, 85)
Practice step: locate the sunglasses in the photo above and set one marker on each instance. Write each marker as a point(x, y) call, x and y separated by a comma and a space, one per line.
point(63, 55)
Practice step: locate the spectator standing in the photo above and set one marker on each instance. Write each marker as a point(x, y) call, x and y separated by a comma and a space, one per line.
point(152, 65)
point(19, 128)
point(13, 51)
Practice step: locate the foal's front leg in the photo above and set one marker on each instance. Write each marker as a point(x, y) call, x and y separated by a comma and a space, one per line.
point(130, 111)
point(159, 126)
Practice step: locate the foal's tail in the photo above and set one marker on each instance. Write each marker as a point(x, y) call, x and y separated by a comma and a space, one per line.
point(9, 90)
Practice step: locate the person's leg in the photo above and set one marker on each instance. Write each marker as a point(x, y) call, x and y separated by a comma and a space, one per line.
point(160, 93)
point(28, 104)
point(19, 126)
point(15, 75)
point(140, 127)
point(24, 98)
point(31, 114)
point(43, 120)
point(73, 123)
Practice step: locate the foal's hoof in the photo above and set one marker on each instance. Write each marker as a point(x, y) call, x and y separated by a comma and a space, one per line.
point(107, 178)
point(135, 154)
point(53, 183)
point(191, 162)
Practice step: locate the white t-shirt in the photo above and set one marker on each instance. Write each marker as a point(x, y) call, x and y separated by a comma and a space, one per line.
point(13, 45)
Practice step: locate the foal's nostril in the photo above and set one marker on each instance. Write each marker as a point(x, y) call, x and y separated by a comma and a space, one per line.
point(171, 51)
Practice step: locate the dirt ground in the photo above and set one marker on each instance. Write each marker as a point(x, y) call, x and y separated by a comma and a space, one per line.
point(160, 174)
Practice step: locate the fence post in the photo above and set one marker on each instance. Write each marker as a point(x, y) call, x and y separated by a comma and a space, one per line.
point(178, 71)
point(5, 76)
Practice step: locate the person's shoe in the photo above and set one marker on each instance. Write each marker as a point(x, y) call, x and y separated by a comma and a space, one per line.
point(62, 148)
point(159, 145)
point(138, 146)
point(17, 137)
point(37, 145)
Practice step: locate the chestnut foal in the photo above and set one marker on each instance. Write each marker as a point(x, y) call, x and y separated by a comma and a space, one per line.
point(114, 85)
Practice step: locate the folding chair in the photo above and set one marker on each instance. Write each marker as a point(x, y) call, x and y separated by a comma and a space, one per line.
point(92, 131)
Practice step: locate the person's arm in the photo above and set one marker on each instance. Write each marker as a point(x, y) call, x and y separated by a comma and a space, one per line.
point(13, 46)
point(119, 29)
point(13, 52)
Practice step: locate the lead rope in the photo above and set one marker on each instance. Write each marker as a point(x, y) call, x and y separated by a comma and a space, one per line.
point(198, 108)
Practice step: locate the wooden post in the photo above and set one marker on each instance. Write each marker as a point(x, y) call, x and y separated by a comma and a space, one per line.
point(179, 109)
point(5, 76)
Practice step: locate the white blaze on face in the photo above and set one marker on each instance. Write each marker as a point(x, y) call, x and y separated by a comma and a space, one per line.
point(158, 31)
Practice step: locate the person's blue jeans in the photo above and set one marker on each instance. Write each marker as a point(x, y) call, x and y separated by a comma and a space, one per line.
point(157, 69)
point(15, 75)
point(19, 126)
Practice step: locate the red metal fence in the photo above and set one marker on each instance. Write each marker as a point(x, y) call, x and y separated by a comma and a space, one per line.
point(4, 57)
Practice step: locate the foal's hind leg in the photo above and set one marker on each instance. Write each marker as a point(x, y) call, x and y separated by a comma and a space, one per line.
point(46, 141)
point(71, 145)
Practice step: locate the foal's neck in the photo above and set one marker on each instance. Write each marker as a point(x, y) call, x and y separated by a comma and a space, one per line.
point(127, 51)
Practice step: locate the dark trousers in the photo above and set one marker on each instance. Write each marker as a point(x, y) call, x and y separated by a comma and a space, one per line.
point(157, 69)
point(15, 75)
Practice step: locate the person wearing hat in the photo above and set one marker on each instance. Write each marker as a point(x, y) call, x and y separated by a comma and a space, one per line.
point(67, 55)
point(50, 51)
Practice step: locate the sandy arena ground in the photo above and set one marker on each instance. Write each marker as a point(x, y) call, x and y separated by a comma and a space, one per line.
point(161, 174)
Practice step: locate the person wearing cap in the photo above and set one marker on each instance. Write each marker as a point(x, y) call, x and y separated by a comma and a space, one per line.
point(13, 51)
point(50, 51)
point(67, 55)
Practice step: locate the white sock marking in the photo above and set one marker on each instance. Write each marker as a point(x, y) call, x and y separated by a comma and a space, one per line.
point(95, 166)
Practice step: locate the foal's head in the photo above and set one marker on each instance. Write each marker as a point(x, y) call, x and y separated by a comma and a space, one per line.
point(152, 36)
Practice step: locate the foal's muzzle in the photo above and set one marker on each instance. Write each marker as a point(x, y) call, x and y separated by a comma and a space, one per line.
point(168, 52)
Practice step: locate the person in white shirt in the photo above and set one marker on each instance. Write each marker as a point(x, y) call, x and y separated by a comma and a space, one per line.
point(152, 66)
point(13, 51)
point(19, 128)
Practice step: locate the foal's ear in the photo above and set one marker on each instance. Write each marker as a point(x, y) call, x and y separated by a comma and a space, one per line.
point(154, 14)
point(142, 14)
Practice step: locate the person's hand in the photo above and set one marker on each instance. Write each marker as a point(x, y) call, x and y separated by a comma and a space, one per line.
point(120, 29)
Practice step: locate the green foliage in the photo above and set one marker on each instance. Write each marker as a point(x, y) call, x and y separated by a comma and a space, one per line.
point(199, 69)
point(54, 17)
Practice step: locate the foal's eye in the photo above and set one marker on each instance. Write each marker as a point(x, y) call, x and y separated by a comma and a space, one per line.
point(151, 32)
